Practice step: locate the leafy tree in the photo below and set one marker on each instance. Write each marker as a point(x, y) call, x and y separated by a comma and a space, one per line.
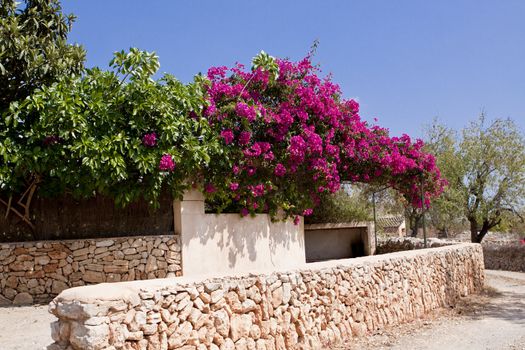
point(33, 48)
point(485, 169)
point(494, 173)
point(274, 137)
point(446, 211)
point(118, 133)
point(346, 205)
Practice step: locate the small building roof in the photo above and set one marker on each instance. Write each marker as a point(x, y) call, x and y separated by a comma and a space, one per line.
point(390, 221)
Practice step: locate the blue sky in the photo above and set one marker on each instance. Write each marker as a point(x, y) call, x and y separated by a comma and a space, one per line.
point(405, 61)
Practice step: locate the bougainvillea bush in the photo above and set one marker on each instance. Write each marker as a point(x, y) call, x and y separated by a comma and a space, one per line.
point(272, 138)
point(289, 137)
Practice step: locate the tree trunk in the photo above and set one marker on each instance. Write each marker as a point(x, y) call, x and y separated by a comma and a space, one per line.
point(443, 233)
point(484, 230)
point(475, 236)
point(414, 226)
point(473, 231)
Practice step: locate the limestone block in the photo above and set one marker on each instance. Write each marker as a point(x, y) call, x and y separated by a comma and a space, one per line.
point(240, 326)
point(89, 337)
point(93, 277)
point(42, 260)
point(151, 264)
point(222, 322)
point(23, 299)
point(4, 301)
point(105, 243)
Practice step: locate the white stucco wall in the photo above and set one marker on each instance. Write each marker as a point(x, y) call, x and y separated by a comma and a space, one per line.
point(229, 243)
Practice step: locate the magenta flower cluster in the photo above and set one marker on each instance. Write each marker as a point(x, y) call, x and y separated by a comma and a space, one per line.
point(166, 163)
point(280, 170)
point(227, 135)
point(149, 140)
point(248, 112)
point(291, 138)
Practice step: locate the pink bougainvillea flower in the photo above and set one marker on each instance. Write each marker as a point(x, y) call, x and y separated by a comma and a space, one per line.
point(209, 188)
point(244, 212)
point(309, 134)
point(244, 138)
point(297, 149)
point(150, 139)
point(253, 151)
point(217, 72)
point(227, 135)
point(236, 170)
point(296, 220)
point(166, 163)
point(264, 146)
point(234, 186)
point(210, 110)
point(257, 190)
point(246, 111)
point(353, 106)
point(280, 170)
point(269, 156)
point(308, 212)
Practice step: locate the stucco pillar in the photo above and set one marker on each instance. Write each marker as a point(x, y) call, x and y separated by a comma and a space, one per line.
point(192, 203)
point(369, 239)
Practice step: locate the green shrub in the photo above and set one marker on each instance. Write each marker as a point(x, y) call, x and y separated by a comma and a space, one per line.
point(118, 133)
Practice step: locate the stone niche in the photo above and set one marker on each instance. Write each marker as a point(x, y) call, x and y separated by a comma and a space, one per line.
point(338, 241)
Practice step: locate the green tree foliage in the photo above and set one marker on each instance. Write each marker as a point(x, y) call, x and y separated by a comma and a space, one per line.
point(117, 133)
point(343, 206)
point(485, 168)
point(33, 48)
point(446, 211)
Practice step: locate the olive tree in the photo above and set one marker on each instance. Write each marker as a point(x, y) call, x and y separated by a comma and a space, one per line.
point(485, 169)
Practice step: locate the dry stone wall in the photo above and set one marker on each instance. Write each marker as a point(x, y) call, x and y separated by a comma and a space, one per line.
point(315, 307)
point(38, 271)
point(398, 244)
point(508, 255)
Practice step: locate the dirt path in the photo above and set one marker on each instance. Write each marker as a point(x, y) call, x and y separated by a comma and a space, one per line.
point(493, 321)
point(25, 327)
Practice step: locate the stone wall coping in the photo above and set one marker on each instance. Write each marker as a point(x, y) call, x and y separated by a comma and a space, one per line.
point(340, 225)
point(128, 291)
point(4, 245)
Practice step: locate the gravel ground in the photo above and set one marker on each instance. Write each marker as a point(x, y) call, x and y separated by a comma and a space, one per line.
point(492, 321)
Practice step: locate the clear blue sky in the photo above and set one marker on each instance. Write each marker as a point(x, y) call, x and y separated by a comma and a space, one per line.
point(405, 61)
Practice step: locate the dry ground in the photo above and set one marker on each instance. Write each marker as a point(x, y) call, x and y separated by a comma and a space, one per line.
point(25, 327)
point(492, 321)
